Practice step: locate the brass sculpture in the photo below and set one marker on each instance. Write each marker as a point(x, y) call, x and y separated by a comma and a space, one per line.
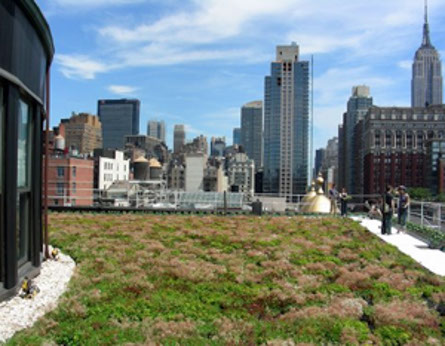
point(318, 204)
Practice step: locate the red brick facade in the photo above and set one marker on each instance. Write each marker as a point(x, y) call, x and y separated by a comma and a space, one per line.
point(70, 181)
point(395, 169)
point(393, 147)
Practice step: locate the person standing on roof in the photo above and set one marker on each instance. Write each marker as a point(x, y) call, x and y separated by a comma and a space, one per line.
point(388, 210)
point(404, 201)
point(333, 195)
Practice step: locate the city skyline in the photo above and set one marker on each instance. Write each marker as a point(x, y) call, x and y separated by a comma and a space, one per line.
point(203, 80)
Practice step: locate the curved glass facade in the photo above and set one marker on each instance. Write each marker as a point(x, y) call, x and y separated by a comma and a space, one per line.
point(26, 51)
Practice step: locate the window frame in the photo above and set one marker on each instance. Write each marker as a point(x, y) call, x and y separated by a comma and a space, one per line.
point(24, 193)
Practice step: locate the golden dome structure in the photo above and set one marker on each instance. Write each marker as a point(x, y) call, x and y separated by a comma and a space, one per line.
point(319, 204)
point(308, 198)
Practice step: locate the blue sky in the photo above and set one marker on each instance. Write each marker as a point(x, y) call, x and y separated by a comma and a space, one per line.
point(197, 62)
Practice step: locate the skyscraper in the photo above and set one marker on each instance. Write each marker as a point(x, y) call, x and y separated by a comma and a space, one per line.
point(358, 106)
point(286, 124)
point(156, 129)
point(252, 131)
point(426, 84)
point(119, 118)
point(236, 136)
point(178, 138)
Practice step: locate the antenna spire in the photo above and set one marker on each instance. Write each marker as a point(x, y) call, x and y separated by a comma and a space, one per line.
point(426, 28)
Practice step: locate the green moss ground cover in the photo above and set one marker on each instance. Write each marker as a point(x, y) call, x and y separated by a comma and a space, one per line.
point(195, 280)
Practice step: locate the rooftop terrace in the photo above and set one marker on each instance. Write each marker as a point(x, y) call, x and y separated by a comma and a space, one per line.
point(243, 279)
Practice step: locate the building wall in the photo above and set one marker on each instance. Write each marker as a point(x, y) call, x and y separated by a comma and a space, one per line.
point(319, 158)
point(358, 105)
point(217, 146)
point(286, 125)
point(252, 131)
point(84, 133)
point(156, 129)
point(198, 145)
point(435, 159)
point(236, 136)
point(112, 169)
point(119, 118)
point(394, 145)
point(194, 172)
point(178, 138)
point(177, 178)
point(241, 173)
point(71, 181)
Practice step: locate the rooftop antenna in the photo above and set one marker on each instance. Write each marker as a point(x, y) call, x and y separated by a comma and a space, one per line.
point(426, 28)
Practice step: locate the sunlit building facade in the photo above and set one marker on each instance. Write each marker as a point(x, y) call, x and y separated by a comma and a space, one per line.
point(286, 125)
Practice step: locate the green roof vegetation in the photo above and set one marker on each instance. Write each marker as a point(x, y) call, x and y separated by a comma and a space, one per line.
point(170, 279)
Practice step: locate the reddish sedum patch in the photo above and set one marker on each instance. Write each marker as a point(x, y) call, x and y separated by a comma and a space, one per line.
point(400, 313)
point(353, 279)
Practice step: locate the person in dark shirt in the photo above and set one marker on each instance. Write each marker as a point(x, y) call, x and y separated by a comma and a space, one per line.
point(388, 210)
point(344, 202)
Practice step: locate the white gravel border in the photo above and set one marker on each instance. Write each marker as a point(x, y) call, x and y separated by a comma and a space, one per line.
point(433, 260)
point(18, 313)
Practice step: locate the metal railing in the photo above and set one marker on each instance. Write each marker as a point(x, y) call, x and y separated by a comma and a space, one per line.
point(138, 197)
point(427, 214)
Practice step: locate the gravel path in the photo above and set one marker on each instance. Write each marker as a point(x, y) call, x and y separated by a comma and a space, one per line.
point(18, 313)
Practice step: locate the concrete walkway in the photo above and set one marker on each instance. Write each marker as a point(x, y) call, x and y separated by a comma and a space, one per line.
point(434, 260)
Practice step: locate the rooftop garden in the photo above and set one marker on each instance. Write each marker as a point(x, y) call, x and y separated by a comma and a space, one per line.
point(224, 280)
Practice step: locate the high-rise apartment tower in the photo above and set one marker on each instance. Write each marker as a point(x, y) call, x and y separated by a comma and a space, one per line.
point(286, 124)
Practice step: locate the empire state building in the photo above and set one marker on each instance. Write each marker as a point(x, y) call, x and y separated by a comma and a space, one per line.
point(426, 85)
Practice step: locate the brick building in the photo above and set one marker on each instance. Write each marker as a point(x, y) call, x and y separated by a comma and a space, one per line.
point(71, 181)
point(83, 132)
point(393, 146)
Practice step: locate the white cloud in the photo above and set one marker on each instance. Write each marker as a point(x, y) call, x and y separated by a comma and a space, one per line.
point(316, 44)
point(222, 30)
point(93, 3)
point(405, 64)
point(336, 84)
point(80, 66)
point(160, 55)
point(210, 20)
point(122, 89)
point(190, 130)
